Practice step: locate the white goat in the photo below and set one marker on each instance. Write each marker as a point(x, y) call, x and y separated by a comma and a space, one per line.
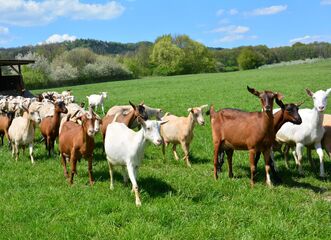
point(96, 100)
point(21, 132)
point(309, 132)
point(179, 130)
point(126, 148)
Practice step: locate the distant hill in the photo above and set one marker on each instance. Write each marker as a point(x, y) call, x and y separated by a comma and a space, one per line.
point(97, 46)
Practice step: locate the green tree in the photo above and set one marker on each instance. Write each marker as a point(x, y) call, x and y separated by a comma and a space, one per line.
point(167, 57)
point(197, 58)
point(249, 59)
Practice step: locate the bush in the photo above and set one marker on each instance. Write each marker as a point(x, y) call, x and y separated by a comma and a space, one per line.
point(105, 68)
point(63, 72)
point(249, 59)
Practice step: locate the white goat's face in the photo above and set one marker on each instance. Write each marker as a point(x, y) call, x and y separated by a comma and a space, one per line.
point(152, 131)
point(34, 116)
point(319, 98)
point(104, 94)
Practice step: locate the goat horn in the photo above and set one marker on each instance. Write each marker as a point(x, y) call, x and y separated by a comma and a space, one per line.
point(75, 114)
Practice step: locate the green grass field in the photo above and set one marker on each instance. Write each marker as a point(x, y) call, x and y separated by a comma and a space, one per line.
point(178, 202)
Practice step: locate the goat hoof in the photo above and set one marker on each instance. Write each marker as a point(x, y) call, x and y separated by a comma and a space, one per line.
point(111, 188)
point(138, 203)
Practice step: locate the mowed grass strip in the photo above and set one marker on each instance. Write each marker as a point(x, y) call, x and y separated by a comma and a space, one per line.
point(177, 202)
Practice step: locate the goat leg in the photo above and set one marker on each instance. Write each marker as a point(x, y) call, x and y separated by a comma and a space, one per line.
point(90, 173)
point(216, 153)
point(220, 161)
point(229, 154)
point(64, 164)
point(266, 155)
point(252, 165)
point(132, 177)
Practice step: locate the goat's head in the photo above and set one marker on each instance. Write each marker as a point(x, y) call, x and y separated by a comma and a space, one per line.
point(319, 98)
point(152, 130)
point(34, 116)
point(60, 107)
point(104, 94)
point(139, 110)
point(266, 97)
point(197, 114)
point(291, 111)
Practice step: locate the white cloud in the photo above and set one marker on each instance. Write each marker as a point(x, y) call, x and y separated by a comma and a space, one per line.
point(56, 38)
point(326, 2)
point(233, 11)
point(5, 37)
point(232, 33)
point(310, 39)
point(230, 38)
point(3, 30)
point(234, 37)
point(32, 12)
point(268, 10)
point(231, 29)
point(220, 12)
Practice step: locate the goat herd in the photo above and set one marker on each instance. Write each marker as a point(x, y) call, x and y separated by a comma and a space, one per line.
point(232, 129)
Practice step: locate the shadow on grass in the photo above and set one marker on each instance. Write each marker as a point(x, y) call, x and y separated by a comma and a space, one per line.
point(155, 187)
point(194, 159)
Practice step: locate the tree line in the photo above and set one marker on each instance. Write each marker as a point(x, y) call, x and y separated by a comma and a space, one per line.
point(88, 60)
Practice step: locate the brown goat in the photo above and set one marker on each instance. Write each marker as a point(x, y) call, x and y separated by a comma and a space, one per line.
point(128, 119)
point(77, 141)
point(233, 129)
point(287, 113)
point(5, 121)
point(49, 126)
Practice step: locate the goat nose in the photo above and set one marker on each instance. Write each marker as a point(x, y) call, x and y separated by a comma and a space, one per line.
point(321, 108)
point(267, 108)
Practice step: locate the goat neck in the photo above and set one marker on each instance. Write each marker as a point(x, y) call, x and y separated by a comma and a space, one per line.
point(130, 118)
point(278, 120)
point(319, 116)
point(191, 122)
point(268, 122)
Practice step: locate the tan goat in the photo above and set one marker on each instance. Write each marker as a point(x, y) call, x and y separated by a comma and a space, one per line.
point(179, 130)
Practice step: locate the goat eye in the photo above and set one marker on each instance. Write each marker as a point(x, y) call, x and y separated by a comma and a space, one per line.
point(148, 128)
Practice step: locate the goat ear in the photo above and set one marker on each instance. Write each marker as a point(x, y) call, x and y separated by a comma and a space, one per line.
point(141, 121)
point(190, 109)
point(310, 93)
point(204, 106)
point(134, 106)
point(279, 96)
point(253, 91)
point(280, 103)
point(162, 122)
point(328, 91)
point(142, 102)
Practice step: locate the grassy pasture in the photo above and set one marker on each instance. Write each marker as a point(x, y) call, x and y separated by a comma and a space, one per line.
point(177, 202)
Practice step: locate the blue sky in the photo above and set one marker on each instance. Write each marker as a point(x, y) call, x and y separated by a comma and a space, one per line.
point(215, 23)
